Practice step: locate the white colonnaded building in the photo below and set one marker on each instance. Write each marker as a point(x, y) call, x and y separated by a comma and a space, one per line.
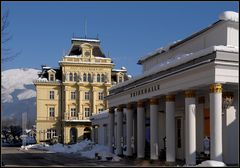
point(188, 90)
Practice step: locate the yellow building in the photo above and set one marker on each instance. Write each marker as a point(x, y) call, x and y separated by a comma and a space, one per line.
point(69, 95)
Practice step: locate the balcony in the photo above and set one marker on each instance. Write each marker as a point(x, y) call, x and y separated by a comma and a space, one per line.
point(78, 118)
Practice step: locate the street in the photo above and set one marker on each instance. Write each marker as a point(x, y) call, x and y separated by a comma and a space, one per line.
point(13, 156)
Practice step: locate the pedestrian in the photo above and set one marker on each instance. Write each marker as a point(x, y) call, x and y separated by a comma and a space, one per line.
point(206, 145)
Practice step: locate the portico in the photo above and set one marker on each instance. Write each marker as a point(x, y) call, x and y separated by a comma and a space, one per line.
point(177, 89)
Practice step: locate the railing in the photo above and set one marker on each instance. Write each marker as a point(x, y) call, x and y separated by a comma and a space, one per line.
point(48, 118)
point(69, 117)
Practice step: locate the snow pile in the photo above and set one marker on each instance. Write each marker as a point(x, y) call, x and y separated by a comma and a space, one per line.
point(15, 79)
point(178, 60)
point(229, 15)
point(211, 163)
point(101, 151)
point(85, 148)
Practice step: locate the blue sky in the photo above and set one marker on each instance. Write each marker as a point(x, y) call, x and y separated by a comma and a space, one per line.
point(42, 31)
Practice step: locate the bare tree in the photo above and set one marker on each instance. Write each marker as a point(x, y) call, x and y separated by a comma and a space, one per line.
point(6, 52)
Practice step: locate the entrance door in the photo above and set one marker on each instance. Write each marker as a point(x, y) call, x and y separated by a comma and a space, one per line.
point(179, 125)
point(87, 133)
point(73, 135)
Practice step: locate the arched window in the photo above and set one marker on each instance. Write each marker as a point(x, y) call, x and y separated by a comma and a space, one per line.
point(75, 77)
point(71, 77)
point(102, 78)
point(84, 77)
point(89, 77)
point(98, 78)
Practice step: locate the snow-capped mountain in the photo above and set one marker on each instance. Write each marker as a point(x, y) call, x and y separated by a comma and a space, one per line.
point(18, 94)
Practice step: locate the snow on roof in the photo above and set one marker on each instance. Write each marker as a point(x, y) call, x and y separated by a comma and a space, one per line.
point(229, 15)
point(100, 115)
point(129, 76)
point(51, 70)
point(177, 60)
point(81, 39)
point(158, 51)
point(119, 70)
point(46, 67)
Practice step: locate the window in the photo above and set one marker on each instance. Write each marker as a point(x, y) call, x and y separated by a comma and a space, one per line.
point(73, 112)
point(51, 95)
point(51, 77)
point(87, 95)
point(75, 77)
point(89, 77)
point(71, 77)
point(51, 111)
point(87, 112)
point(102, 78)
point(100, 95)
point(51, 133)
point(98, 78)
point(73, 95)
point(120, 79)
point(84, 77)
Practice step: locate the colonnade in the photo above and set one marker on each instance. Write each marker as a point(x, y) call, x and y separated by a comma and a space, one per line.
point(215, 96)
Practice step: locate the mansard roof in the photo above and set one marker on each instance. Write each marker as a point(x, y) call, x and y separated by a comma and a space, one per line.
point(45, 69)
point(76, 49)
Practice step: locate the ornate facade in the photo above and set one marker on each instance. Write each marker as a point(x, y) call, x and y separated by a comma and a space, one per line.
point(69, 95)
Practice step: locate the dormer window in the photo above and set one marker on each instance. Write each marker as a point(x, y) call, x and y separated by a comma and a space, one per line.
point(51, 77)
point(120, 79)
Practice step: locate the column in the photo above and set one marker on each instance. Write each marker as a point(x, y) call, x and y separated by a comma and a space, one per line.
point(80, 112)
point(153, 128)
point(190, 127)
point(216, 122)
point(119, 130)
point(200, 123)
point(170, 128)
point(134, 139)
point(129, 127)
point(140, 130)
point(66, 112)
point(111, 129)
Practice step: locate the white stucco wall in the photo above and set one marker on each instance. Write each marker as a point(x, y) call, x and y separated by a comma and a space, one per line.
point(231, 143)
point(224, 33)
